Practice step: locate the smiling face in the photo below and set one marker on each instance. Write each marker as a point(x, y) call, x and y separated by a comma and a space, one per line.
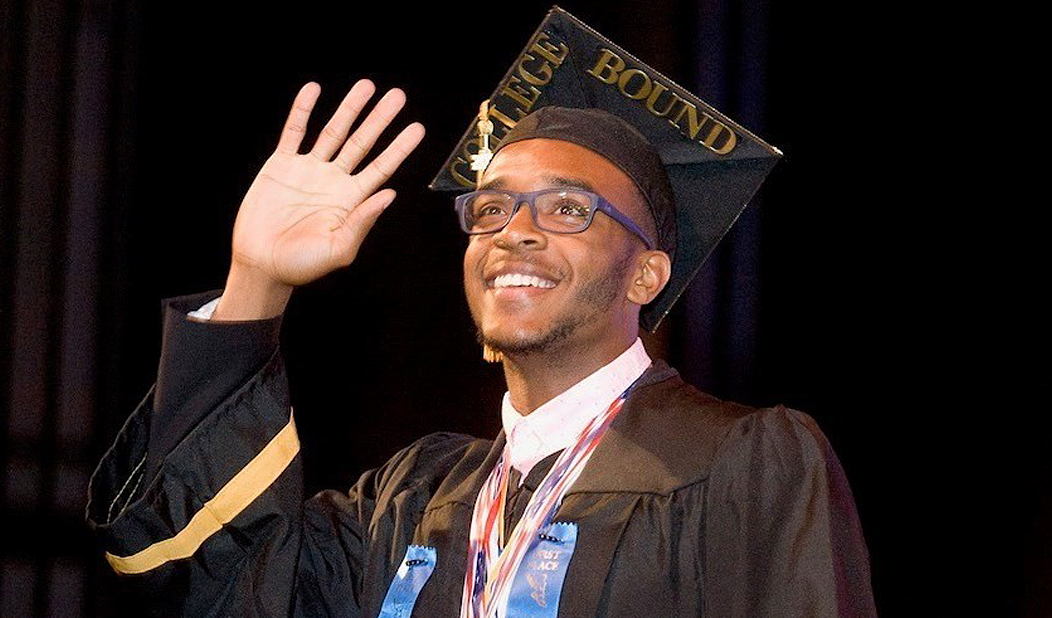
point(532, 291)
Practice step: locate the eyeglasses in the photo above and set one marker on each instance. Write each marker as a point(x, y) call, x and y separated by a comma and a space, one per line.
point(562, 211)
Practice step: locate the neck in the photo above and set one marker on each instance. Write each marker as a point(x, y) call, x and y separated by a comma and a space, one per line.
point(534, 379)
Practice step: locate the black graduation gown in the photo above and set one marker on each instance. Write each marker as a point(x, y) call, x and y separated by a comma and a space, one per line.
point(690, 506)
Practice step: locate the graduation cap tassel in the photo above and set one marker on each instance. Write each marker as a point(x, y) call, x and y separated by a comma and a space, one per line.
point(480, 161)
point(490, 355)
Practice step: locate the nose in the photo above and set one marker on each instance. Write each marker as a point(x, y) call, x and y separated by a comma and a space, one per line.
point(521, 232)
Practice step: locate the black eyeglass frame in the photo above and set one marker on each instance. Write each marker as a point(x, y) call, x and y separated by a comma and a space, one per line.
point(599, 203)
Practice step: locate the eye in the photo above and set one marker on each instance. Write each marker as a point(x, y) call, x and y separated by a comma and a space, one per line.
point(569, 207)
point(488, 207)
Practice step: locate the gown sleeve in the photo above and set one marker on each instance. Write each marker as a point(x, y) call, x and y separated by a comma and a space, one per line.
point(782, 534)
point(199, 502)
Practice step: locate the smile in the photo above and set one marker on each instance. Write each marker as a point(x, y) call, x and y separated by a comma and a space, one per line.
point(517, 280)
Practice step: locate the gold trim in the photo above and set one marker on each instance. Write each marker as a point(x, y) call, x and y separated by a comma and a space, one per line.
point(234, 497)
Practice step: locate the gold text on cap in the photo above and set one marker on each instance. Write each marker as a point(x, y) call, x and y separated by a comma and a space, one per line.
point(637, 85)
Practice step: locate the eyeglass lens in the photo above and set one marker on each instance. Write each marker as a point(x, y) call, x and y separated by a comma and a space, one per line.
point(558, 211)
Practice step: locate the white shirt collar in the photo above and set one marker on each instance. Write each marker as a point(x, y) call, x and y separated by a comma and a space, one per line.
point(556, 424)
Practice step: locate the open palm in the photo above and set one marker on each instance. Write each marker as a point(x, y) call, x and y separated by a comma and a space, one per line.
point(307, 214)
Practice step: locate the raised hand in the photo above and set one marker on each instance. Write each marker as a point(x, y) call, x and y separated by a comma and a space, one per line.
point(307, 214)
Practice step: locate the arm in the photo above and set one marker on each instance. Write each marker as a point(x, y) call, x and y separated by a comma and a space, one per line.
point(188, 533)
point(200, 501)
point(783, 535)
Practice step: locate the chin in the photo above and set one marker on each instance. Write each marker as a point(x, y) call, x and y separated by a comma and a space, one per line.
point(529, 341)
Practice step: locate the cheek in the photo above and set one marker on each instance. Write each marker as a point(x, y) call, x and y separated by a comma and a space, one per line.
point(474, 255)
point(611, 268)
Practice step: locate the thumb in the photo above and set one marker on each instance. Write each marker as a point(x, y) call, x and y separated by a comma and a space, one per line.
point(365, 214)
point(361, 220)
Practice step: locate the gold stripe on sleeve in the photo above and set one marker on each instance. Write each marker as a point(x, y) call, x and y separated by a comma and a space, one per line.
point(234, 497)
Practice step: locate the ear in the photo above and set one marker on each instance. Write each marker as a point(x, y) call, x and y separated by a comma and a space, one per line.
point(652, 273)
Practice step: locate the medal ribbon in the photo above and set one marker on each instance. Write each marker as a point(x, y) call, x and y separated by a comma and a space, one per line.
point(490, 570)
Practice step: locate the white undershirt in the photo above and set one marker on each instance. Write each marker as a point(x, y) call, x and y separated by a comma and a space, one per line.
point(206, 310)
point(556, 424)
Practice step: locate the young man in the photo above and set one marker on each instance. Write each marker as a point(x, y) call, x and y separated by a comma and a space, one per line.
point(615, 489)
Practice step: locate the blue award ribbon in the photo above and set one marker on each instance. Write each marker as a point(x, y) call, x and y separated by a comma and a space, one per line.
point(412, 574)
point(539, 580)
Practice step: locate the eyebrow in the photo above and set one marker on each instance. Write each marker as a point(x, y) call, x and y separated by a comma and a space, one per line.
point(553, 181)
point(495, 184)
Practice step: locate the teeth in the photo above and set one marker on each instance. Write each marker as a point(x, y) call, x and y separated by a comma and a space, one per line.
point(518, 280)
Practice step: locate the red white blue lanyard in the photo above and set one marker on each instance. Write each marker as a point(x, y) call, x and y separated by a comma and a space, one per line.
point(491, 569)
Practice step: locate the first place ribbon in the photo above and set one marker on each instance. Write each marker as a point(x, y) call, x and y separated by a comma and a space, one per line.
point(539, 581)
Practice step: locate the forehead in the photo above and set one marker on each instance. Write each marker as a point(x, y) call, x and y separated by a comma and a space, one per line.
point(541, 162)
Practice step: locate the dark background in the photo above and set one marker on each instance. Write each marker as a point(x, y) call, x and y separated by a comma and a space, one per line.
point(880, 281)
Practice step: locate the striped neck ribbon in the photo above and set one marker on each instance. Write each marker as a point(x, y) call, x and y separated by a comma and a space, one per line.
point(492, 562)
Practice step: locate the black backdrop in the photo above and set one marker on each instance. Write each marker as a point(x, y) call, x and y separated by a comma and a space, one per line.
point(867, 284)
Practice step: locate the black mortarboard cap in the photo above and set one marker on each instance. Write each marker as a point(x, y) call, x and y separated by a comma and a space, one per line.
point(713, 165)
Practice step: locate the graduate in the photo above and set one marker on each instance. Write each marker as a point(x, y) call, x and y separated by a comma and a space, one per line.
point(591, 189)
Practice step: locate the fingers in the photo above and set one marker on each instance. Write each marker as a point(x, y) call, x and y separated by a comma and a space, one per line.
point(385, 164)
point(359, 143)
point(296, 123)
point(335, 132)
point(354, 148)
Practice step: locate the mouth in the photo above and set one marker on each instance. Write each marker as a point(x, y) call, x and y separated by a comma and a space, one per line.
point(519, 280)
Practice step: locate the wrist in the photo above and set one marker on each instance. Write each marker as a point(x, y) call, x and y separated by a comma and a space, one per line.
point(251, 295)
